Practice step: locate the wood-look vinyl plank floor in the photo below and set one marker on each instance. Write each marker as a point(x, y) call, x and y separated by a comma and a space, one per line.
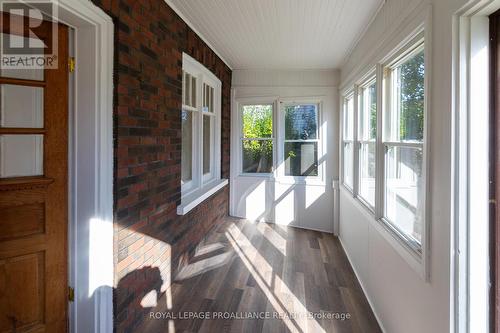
point(285, 279)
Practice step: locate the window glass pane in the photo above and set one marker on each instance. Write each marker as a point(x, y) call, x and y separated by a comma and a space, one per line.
point(187, 89)
point(348, 164)
point(403, 192)
point(35, 74)
point(349, 119)
point(205, 98)
point(21, 155)
point(367, 122)
point(212, 100)
point(193, 91)
point(257, 121)
point(187, 147)
point(207, 144)
point(257, 156)
point(21, 106)
point(407, 120)
point(208, 98)
point(301, 158)
point(367, 172)
point(301, 122)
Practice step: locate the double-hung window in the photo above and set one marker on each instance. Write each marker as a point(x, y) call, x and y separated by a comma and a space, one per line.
point(209, 118)
point(201, 134)
point(257, 139)
point(383, 144)
point(348, 142)
point(403, 142)
point(294, 152)
point(301, 141)
point(188, 119)
point(367, 135)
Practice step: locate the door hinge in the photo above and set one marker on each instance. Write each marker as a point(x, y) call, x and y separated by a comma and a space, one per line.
point(71, 294)
point(71, 64)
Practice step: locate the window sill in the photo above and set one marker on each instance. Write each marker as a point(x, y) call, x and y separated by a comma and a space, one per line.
point(196, 198)
point(286, 180)
point(300, 180)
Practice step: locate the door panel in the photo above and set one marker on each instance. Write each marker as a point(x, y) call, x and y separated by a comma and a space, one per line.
point(24, 296)
point(33, 195)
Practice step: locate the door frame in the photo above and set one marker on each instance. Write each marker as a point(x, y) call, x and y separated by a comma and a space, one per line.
point(470, 265)
point(90, 229)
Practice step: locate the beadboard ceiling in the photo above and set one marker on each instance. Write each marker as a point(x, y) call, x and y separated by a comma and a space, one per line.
point(279, 34)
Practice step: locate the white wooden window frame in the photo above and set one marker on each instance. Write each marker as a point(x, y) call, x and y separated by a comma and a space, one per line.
point(202, 185)
point(417, 257)
point(278, 173)
point(348, 95)
point(280, 147)
point(368, 81)
point(250, 102)
point(410, 49)
point(214, 122)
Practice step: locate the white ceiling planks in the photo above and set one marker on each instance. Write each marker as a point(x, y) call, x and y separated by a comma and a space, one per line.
point(279, 34)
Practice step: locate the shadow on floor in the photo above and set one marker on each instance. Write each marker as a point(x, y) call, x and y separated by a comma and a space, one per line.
point(250, 277)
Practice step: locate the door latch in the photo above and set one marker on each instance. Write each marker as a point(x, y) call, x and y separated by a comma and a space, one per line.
point(71, 294)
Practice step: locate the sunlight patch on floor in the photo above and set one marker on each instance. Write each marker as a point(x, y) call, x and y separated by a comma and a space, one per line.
point(282, 298)
point(273, 237)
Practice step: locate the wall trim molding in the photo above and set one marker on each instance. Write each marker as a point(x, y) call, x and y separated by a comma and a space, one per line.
point(90, 181)
point(470, 33)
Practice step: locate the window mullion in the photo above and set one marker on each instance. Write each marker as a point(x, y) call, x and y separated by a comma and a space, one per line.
point(356, 143)
point(380, 150)
point(199, 131)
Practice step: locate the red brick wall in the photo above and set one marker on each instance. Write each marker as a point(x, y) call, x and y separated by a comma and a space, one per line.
point(150, 239)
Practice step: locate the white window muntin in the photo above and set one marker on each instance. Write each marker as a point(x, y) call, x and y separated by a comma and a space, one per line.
point(203, 78)
point(283, 103)
point(391, 140)
point(208, 112)
point(384, 103)
point(363, 137)
point(348, 133)
point(243, 138)
point(190, 103)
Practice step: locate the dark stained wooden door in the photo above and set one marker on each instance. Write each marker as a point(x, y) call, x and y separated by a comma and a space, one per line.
point(34, 193)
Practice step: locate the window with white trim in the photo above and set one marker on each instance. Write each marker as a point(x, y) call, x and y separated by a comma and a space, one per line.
point(201, 131)
point(399, 152)
point(367, 135)
point(403, 143)
point(257, 139)
point(301, 140)
point(348, 141)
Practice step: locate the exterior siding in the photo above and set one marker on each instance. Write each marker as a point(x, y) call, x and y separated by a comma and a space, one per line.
point(151, 241)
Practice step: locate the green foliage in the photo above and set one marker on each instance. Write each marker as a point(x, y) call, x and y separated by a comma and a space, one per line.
point(412, 98)
point(257, 123)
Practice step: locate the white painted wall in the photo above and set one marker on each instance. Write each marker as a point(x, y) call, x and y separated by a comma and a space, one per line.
point(286, 201)
point(402, 300)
